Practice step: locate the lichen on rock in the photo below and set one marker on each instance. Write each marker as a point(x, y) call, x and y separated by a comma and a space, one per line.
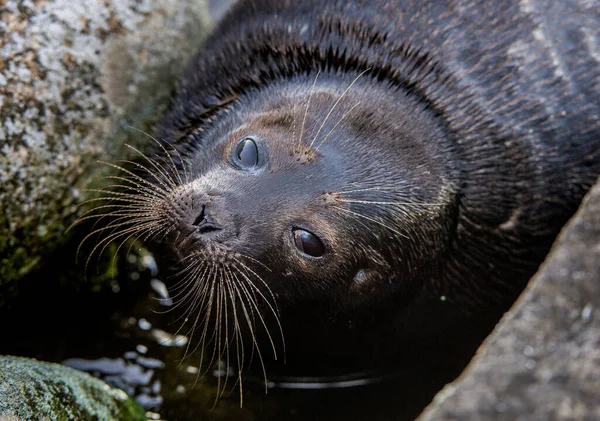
point(73, 76)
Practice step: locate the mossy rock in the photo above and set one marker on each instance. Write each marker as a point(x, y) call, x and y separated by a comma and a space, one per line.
point(73, 77)
point(34, 390)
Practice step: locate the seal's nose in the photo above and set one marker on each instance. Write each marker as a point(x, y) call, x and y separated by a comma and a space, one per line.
point(205, 223)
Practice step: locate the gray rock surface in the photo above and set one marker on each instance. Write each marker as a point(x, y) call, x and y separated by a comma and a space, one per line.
point(33, 390)
point(73, 76)
point(543, 360)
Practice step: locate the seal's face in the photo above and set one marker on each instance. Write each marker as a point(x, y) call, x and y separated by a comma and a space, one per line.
point(331, 190)
point(310, 189)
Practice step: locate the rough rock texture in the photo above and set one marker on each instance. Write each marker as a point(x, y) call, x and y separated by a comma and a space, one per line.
point(33, 390)
point(73, 76)
point(543, 360)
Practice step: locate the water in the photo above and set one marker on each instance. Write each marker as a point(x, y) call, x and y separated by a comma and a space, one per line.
point(127, 337)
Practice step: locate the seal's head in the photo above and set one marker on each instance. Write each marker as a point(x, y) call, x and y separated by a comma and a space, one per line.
point(325, 187)
point(320, 186)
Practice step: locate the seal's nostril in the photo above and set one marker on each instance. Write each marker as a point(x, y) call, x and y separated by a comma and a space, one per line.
point(200, 217)
point(205, 223)
point(206, 228)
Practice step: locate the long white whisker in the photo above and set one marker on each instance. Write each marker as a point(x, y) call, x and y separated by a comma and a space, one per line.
point(334, 107)
point(306, 111)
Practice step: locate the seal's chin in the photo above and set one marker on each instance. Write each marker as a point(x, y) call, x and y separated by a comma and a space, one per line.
point(203, 249)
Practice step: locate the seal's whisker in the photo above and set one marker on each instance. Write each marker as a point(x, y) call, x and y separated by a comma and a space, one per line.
point(234, 295)
point(231, 340)
point(225, 322)
point(120, 219)
point(116, 213)
point(121, 244)
point(123, 228)
point(357, 220)
point(260, 317)
point(144, 190)
point(375, 188)
point(142, 238)
point(161, 178)
point(373, 202)
point(122, 214)
point(251, 294)
point(117, 197)
point(237, 340)
point(113, 226)
point(210, 299)
point(220, 348)
point(168, 231)
point(246, 268)
point(294, 124)
point(151, 187)
point(129, 210)
point(116, 188)
point(187, 170)
point(359, 215)
point(195, 298)
point(181, 287)
point(149, 236)
point(255, 261)
point(133, 203)
point(173, 165)
point(194, 289)
point(312, 89)
point(248, 309)
point(190, 259)
point(133, 230)
point(251, 323)
point(127, 197)
point(202, 301)
point(250, 320)
point(337, 124)
point(335, 105)
point(165, 176)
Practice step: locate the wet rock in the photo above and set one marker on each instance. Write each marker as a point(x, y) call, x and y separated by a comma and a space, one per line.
point(33, 390)
point(73, 76)
point(543, 360)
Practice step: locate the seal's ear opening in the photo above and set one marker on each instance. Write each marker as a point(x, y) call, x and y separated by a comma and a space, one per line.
point(366, 280)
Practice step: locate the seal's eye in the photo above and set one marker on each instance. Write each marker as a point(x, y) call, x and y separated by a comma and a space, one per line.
point(246, 153)
point(308, 243)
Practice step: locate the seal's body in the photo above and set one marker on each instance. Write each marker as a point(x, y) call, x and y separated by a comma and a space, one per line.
point(354, 162)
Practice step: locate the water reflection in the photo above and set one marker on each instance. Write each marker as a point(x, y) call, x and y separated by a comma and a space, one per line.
point(126, 338)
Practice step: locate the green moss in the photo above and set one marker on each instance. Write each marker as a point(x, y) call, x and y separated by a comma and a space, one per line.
point(22, 250)
point(31, 389)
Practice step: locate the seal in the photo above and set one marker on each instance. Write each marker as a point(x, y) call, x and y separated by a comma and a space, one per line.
point(370, 175)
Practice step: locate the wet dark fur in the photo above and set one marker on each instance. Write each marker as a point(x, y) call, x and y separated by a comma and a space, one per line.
point(524, 142)
point(497, 117)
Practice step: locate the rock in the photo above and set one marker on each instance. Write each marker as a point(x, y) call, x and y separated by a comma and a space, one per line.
point(33, 390)
point(542, 362)
point(73, 76)
point(218, 8)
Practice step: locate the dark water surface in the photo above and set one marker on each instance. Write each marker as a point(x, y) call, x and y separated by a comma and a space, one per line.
point(128, 338)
